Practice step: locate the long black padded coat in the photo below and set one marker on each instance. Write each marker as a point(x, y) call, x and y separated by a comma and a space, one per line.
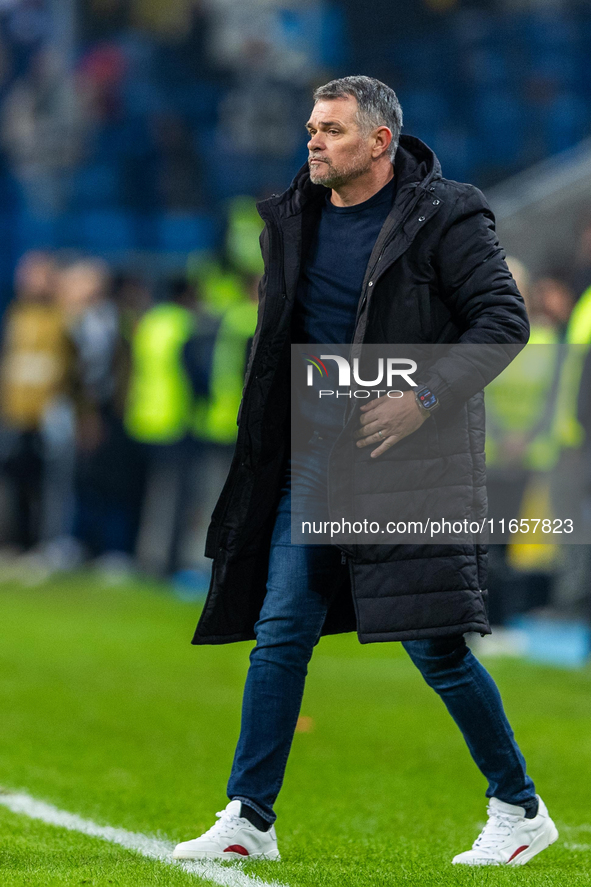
point(436, 275)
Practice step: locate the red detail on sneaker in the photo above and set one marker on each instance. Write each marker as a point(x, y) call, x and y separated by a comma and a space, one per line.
point(238, 848)
point(519, 850)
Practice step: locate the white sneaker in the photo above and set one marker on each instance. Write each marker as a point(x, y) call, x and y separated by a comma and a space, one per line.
point(508, 838)
point(232, 837)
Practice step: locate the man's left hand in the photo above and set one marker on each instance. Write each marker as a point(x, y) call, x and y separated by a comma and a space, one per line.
point(387, 420)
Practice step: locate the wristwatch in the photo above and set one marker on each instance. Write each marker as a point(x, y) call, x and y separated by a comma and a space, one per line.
point(426, 400)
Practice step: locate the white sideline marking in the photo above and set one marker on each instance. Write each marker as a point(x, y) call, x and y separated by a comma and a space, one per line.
point(153, 848)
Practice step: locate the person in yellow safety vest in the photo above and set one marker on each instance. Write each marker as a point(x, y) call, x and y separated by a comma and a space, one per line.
point(520, 440)
point(568, 429)
point(230, 356)
point(216, 428)
point(553, 299)
point(521, 448)
point(520, 403)
point(520, 406)
point(165, 381)
point(572, 484)
point(167, 388)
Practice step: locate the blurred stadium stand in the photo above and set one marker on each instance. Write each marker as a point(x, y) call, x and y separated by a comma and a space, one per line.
point(110, 111)
point(557, 193)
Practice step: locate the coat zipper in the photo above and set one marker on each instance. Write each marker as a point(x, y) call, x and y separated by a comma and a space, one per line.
point(364, 299)
point(362, 303)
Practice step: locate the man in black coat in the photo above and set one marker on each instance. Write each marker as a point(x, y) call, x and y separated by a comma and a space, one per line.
point(369, 245)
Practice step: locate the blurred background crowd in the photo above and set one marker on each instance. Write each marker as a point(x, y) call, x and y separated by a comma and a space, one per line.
point(118, 403)
point(135, 137)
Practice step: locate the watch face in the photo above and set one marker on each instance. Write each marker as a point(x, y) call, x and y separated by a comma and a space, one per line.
point(427, 398)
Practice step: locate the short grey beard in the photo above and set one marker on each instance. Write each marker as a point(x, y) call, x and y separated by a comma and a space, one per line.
point(335, 178)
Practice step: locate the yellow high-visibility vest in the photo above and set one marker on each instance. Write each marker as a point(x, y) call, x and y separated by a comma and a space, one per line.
point(578, 338)
point(160, 403)
point(227, 373)
point(517, 401)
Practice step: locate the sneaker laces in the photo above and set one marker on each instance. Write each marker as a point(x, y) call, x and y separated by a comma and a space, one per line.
point(495, 831)
point(226, 824)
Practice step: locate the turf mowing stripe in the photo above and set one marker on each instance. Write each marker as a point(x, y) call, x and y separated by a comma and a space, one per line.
point(153, 848)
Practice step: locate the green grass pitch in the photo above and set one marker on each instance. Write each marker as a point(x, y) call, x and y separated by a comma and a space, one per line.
point(107, 711)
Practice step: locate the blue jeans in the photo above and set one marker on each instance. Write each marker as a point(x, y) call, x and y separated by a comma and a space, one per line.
point(290, 622)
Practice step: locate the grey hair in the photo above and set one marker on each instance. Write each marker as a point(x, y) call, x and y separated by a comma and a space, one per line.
point(377, 104)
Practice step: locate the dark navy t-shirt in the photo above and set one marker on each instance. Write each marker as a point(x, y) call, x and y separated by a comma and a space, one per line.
point(332, 277)
point(329, 290)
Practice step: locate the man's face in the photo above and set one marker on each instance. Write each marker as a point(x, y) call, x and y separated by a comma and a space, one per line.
point(338, 151)
point(35, 276)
